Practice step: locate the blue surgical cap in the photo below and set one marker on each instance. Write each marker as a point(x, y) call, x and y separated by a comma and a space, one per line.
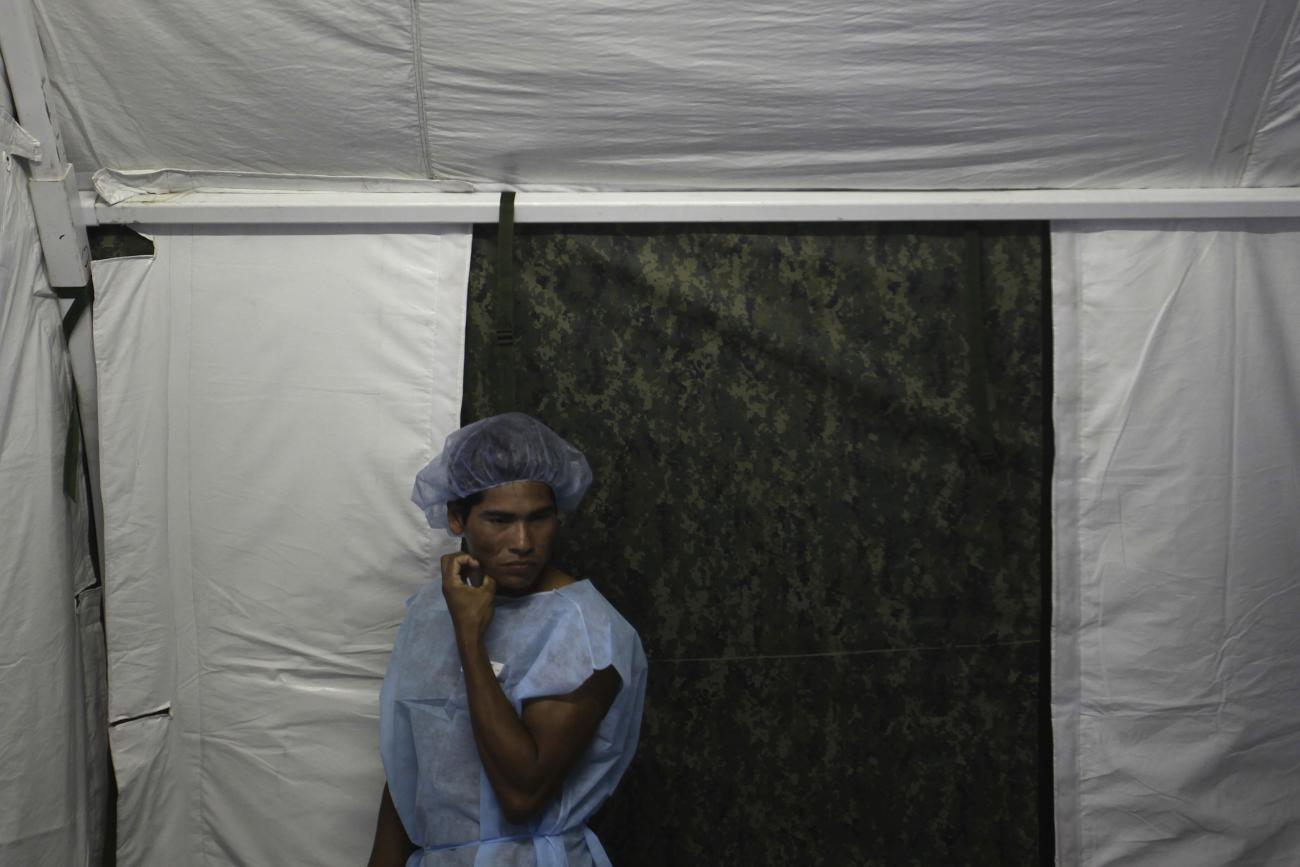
point(506, 448)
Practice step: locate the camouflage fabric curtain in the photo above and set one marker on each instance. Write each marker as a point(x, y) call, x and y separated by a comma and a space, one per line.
point(822, 511)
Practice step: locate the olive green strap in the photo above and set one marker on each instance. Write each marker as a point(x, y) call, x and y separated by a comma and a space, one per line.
point(75, 459)
point(504, 307)
point(80, 304)
point(72, 448)
point(81, 297)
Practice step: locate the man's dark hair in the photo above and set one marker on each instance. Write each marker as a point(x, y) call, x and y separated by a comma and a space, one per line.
point(460, 508)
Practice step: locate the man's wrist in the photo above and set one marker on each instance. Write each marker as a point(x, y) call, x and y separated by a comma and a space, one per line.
point(469, 645)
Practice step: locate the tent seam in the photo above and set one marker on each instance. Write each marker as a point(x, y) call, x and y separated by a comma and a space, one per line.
point(1078, 832)
point(200, 762)
point(417, 57)
point(1234, 438)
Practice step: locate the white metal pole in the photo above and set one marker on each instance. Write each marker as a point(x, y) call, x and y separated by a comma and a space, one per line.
point(357, 208)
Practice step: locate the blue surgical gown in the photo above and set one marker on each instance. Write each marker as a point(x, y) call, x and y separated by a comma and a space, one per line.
point(540, 644)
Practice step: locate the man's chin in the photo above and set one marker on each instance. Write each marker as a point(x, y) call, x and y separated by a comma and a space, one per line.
point(515, 582)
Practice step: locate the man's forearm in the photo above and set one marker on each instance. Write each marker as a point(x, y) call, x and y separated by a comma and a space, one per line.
point(505, 746)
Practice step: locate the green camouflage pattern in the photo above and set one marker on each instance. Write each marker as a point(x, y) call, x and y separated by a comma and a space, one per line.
point(840, 599)
point(112, 242)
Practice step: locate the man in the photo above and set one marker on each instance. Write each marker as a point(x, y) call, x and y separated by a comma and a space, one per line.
point(512, 703)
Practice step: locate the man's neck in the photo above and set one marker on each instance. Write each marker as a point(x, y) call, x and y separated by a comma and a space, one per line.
point(550, 579)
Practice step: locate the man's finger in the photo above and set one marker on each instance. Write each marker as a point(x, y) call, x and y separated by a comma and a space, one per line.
point(454, 566)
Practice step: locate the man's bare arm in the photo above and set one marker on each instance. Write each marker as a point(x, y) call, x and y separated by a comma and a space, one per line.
point(527, 759)
point(392, 846)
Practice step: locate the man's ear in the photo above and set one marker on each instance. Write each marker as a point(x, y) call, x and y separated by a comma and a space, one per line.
point(455, 521)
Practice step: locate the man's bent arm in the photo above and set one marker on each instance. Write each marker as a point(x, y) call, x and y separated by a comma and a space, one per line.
point(527, 759)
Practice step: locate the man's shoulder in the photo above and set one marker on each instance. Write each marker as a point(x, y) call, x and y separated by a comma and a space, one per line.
point(593, 605)
point(584, 594)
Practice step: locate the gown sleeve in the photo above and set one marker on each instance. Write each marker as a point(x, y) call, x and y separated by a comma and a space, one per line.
point(416, 721)
point(585, 635)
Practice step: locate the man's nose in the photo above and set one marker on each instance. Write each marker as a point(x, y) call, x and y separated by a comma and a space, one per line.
point(521, 541)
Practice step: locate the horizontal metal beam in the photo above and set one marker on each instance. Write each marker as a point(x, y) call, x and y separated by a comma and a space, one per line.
point(326, 208)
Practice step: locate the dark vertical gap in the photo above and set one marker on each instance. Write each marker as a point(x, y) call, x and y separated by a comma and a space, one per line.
point(76, 457)
point(110, 817)
point(73, 450)
point(92, 530)
point(1046, 763)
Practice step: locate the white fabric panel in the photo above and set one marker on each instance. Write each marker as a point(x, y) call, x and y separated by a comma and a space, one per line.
point(265, 401)
point(132, 378)
point(131, 334)
point(45, 817)
point(300, 86)
point(1275, 152)
point(893, 94)
point(1176, 671)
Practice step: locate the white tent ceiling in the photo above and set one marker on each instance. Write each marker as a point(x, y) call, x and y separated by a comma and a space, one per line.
point(707, 94)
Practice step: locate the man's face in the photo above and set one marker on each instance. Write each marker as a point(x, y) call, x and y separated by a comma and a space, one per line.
point(510, 532)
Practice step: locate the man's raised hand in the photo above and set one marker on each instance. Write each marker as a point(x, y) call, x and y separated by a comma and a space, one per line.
point(469, 594)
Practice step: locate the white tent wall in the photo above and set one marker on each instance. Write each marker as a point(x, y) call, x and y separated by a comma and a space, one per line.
point(265, 400)
point(705, 95)
point(1176, 673)
point(52, 762)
